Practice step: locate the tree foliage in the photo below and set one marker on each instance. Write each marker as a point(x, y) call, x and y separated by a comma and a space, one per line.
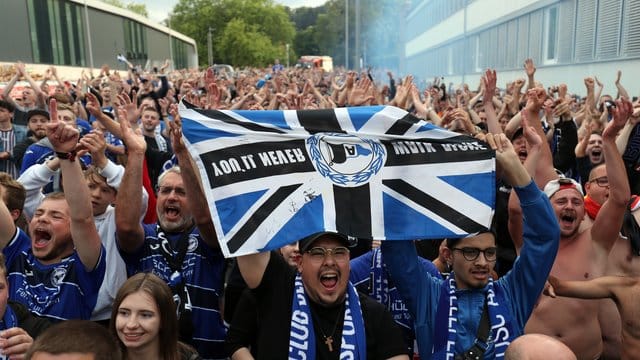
point(238, 28)
point(140, 9)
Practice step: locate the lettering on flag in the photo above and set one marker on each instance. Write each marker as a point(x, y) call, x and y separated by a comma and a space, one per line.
point(274, 177)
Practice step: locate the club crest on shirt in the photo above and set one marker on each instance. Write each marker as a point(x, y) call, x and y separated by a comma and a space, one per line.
point(58, 275)
point(193, 243)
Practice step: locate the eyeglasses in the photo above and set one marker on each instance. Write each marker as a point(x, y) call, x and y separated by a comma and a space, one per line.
point(318, 254)
point(602, 181)
point(471, 253)
point(166, 190)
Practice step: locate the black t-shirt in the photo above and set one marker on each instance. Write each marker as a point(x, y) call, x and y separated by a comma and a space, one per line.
point(274, 297)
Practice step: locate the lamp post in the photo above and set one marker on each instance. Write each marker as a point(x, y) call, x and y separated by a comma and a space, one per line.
point(287, 55)
point(346, 34)
point(209, 50)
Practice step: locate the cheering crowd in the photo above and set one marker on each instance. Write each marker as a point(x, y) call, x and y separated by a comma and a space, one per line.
point(104, 219)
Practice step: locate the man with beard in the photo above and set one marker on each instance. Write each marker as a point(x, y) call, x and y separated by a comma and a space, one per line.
point(57, 270)
point(589, 153)
point(469, 314)
point(313, 311)
point(583, 254)
point(182, 248)
point(36, 123)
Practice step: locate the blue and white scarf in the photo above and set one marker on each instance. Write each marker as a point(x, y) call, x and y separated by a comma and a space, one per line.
point(302, 339)
point(502, 329)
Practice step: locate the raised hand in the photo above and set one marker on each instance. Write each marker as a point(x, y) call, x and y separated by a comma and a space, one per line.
point(529, 67)
point(589, 82)
point(618, 77)
point(489, 81)
point(130, 107)
point(93, 105)
point(63, 137)
point(95, 143)
point(535, 99)
point(621, 113)
point(175, 130)
point(133, 140)
point(529, 132)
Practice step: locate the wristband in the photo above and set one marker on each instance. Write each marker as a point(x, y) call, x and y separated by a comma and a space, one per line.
point(71, 156)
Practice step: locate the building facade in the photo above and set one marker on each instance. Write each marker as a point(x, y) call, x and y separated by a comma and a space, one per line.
point(87, 33)
point(567, 39)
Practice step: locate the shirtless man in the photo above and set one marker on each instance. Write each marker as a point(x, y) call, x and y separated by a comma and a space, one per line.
point(624, 291)
point(583, 255)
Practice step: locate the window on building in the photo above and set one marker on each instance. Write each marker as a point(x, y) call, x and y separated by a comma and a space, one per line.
point(551, 35)
point(57, 32)
point(135, 41)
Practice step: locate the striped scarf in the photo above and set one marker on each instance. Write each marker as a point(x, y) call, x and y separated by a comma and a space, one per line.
point(302, 339)
point(502, 329)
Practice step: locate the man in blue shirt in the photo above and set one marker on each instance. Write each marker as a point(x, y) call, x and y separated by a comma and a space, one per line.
point(457, 304)
point(57, 270)
point(182, 248)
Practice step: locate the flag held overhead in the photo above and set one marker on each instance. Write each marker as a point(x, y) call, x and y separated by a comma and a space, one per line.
point(274, 177)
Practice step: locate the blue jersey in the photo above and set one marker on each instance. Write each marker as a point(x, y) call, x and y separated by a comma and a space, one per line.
point(376, 283)
point(39, 153)
point(202, 271)
point(59, 291)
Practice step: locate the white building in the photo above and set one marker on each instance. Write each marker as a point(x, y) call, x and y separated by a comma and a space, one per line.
point(567, 39)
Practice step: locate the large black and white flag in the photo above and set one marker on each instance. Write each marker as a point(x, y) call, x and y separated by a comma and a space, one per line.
point(274, 177)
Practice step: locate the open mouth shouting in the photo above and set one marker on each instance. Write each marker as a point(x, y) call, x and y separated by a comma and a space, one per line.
point(567, 219)
point(596, 155)
point(522, 154)
point(172, 212)
point(41, 237)
point(329, 280)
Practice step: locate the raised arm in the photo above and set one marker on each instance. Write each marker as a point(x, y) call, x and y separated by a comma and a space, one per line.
point(606, 226)
point(622, 92)
point(196, 199)
point(7, 89)
point(130, 235)
point(489, 80)
point(64, 140)
point(7, 227)
point(530, 69)
point(93, 106)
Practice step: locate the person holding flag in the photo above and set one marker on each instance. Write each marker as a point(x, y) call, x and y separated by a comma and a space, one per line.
point(470, 316)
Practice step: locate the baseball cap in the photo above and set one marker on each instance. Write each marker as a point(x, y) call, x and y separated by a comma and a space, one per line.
point(562, 183)
point(306, 243)
point(33, 112)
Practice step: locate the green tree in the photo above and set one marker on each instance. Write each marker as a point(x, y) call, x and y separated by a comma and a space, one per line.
point(140, 9)
point(262, 18)
point(242, 45)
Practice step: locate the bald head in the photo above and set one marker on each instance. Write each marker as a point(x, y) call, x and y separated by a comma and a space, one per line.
point(538, 347)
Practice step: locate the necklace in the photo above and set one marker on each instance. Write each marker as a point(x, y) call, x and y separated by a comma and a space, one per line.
point(328, 339)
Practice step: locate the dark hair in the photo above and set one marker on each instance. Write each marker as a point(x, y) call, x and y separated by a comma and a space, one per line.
point(76, 336)
point(7, 105)
point(452, 242)
point(160, 292)
point(15, 192)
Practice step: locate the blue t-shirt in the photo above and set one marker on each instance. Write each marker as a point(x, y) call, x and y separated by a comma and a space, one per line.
point(378, 285)
point(61, 291)
point(202, 269)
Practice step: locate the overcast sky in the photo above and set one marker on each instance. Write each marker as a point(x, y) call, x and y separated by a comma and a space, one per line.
point(158, 9)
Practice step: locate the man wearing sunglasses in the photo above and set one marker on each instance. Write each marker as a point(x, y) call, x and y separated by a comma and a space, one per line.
point(449, 315)
point(313, 311)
